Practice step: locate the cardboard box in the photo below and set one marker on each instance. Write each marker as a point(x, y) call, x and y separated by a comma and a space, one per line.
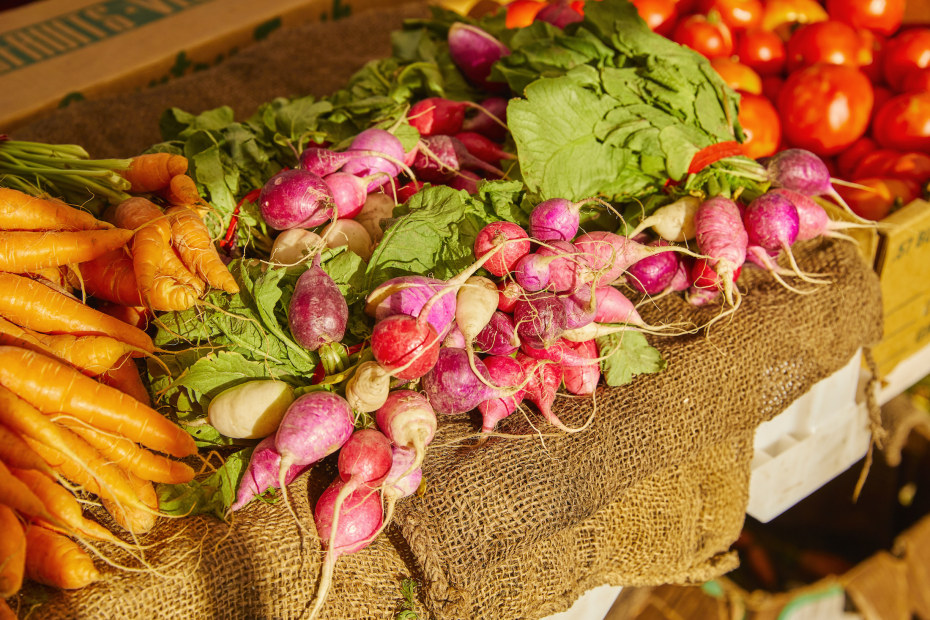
point(53, 52)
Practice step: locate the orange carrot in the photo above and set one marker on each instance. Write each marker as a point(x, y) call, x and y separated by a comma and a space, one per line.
point(124, 376)
point(15, 452)
point(153, 171)
point(56, 560)
point(36, 306)
point(137, 316)
point(130, 518)
point(111, 277)
point(25, 250)
point(55, 277)
point(20, 211)
point(16, 495)
point(62, 505)
point(53, 387)
point(91, 355)
point(165, 283)
point(12, 553)
point(130, 456)
point(192, 240)
point(182, 191)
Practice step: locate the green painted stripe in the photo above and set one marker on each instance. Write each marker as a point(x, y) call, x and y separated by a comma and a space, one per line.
point(65, 33)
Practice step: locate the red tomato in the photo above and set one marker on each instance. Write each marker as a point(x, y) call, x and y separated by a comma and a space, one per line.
point(704, 36)
point(873, 46)
point(881, 16)
point(659, 15)
point(761, 50)
point(906, 52)
point(910, 166)
point(738, 76)
point(880, 198)
point(520, 13)
point(760, 122)
point(874, 164)
point(917, 81)
point(828, 41)
point(771, 85)
point(880, 95)
point(780, 16)
point(825, 108)
point(849, 158)
point(903, 122)
point(736, 14)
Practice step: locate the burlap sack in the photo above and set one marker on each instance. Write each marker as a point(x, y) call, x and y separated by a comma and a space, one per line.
point(654, 491)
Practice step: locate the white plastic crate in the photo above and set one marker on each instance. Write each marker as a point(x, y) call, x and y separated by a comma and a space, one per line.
point(592, 605)
point(819, 436)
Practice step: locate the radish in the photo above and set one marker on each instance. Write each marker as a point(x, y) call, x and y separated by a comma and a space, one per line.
point(559, 13)
point(474, 52)
point(509, 375)
point(813, 220)
point(706, 282)
point(437, 115)
point(408, 295)
point(490, 120)
point(653, 274)
point(262, 473)
point(612, 306)
point(377, 207)
point(388, 161)
point(369, 387)
point(606, 255)
point(510, 238)
point(475, 304)
point(532, 271)
point(349, 193)
point(408, 420)
point(556, 219)
point(508, 294)
point(465, 180)
point(452, 386)
point(406, 191)
point(771, 222)
point(543, 381)
point(565, 269)
point(295, 199)
point(582, 380)
point(580, 307)
point(405, 347)
point(722, 237)
point(499, 336)
point(454, 338)
point(363, 517)
point(561, 352)
point(295, 245)
point(250, 410)
point(672, 222)
point(440, 157)
point(540, 320)
point(351, 234)
point(318, 312)
point(483, 147)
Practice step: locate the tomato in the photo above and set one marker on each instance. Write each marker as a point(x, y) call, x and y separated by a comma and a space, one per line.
point(881, 16)
point(917, 81)
point(761, 50)
point(903, 122)
point(911, 166)
point(760, 122)
point(520, 13)
point(780, 16)
point(825, 108)
point(827, 41)
point(880, 197)
point(906, 52)
point(849, 158)
point(659, 15)
point(771, 85)
point(874, 164)
point(736, 14)
point(738, 76)
point(704, 36)
point(873, 46)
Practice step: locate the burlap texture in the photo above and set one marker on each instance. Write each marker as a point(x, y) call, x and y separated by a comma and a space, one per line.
point(654, 491)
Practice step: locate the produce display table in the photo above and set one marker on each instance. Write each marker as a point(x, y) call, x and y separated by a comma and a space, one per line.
point(653, 491)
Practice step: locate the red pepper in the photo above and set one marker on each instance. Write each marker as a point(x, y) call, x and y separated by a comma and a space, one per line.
point(234, 220)
point(713, 153)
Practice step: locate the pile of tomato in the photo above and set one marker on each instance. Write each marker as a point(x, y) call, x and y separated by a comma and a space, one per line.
point(841, 78)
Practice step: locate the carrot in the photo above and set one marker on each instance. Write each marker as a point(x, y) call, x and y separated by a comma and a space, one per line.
point(12, 553)
point(53, 387)
point(16, 495)
point(56, 560)
point(164, 281)
point(20, 211)
point(182, 191)
point(36, 306)
point(124, 376)
point(145, 464)
point(14, 452)
point(25, 250)
point(137, 316)
point(111, 277)
point(92, 355)
point(152, 172)
point(192, 240)
point(130, 518)
point(61, 504)
point(55, 277)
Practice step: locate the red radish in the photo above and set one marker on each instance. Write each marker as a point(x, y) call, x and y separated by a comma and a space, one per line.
point(706, 282)
point(561, 352)
point(262, 473)
point(721, 237)
point(490, 121)
point(362, 517)
point(499, 336)
point(510, 238)
point(653, 274)
point(318, 312)
point(474, 52)
point(465, 180)
point(540, 320)
point(368, 388)
point(408, 420)
point(408, 190)
point(437, 115)
point(401, 481)
point(672, 222)
point(509, 293)
point(543, 381)
point(582, 380)
point(483, 147)
point(295, 199)
point(580, 307)
point(452, 386)
point(407, 295)
point(508, 374)
point(440, 157)
point(556, 219)
point(404, 346)
point(565, 270)
point(606, 255)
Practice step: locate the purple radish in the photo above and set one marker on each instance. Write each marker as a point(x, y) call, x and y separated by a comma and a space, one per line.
point(318, 312)
point(465, 180)
point(454, 338)
point(499, 336)
point(295, 199)
point(490, 120)
point(483, 147)
point(582, 380)
point(540, 320)
point(508, 374)
point(452, 386)
point(532, 272)
point(474, 52)
point(556, 219)
point(322, 161)
point(362, 518)
point(606, 255)
point(565, 269)
point(580, 307)
point(407, 295)
point(408, 420)
point(559, 14)
point(653, 274)
point(771, 222)
point(439, 157)
point(262, 473)
point(813, 220)
point(722, 237)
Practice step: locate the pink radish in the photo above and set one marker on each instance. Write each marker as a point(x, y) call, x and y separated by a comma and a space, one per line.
point(404, 346)
point(511, 236)
point(561, 352)
point(582, 380)
point(349, 193)
point(653, 274)
point(612, 306)
point(452, 386)
point(771, 222)
point(543, 381)
point(509, 375)
point(403, 480)
point(388, 163)
point(317, 312)
point(474, 52)
point(295, 199)
point(408, 420)
point(556, 219)
point(532, 271)
point(606, 256)
point(262, 473)
point(564, 270)
point(454, 338)
point(580, 306)
point(721, 237)
point(407, 295)
point(813, 220)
